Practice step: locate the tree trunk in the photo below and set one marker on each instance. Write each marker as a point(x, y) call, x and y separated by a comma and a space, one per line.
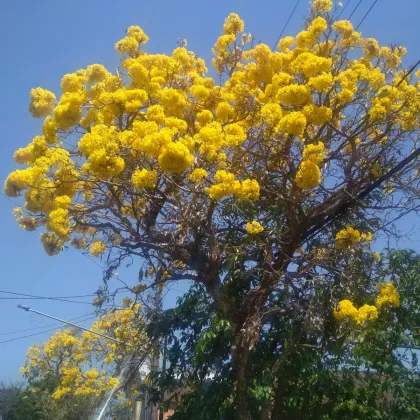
point(266, 410)
point(279, 400)
point(241, 364)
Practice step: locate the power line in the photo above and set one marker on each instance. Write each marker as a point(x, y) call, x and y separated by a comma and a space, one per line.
point(8, 198)
point(42, 332)
point(63, 299)
point(33, 297)
point(408, 73)
point(398, 217)
point(366, 14)
point(91, 259)
point(28, 309)
point(47, 297)
point(311, 233)
point(352, 13)
point(285, 25)
point(44, 326)
point(344, 8)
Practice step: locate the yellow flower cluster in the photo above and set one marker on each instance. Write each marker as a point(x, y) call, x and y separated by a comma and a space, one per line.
point(346, 309)
point(69, 355)
point(142, 178)
point(175, 158)
point(309, 174)
point(322, 5)
point(198, 174)
point(97, 248)
point(310, 64)
point(130, 44)
point(293, 123)
point(254, 227)
point(59, 222)
point(347, 238)
point(42, 102)
point(377, 256)
point(227, 185)
point(387, 295)
point(294, 95)
point(314, 152)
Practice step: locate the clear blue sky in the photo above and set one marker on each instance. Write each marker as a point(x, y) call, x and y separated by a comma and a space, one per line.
point(43, 40)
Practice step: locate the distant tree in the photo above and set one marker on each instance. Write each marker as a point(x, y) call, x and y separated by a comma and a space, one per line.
point(75, 372)
point(9, 397)
point(36, 403)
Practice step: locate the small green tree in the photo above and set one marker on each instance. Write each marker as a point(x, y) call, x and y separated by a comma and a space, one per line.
point(9, 396)
point(322, 369)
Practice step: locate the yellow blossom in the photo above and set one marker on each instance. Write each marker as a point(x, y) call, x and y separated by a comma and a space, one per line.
point(318, 25)
point(138, 34)
point(310, 64)
point(293, 123)
point(345, 309)
point(347, 237)
point(322, 5)
point(175, 158)
point(42, 102)
point(233, 24)
point(387, 295)
point(127, 45)
point(366, 313)
point(271, 113)
point(377, 256)
point(367, 236)
point(96, 73)
point(204, 117)
point(254, 227)
point(71, 83)
point(198, 174)
point(143, 178)
point(294, 95)
point(343, 27)
point(321, 83)
point(285, 43)
point(223, 111)
point(97, 248)
point(314, 152)
point(308, 175)
point(155, 113)
point(317, 115)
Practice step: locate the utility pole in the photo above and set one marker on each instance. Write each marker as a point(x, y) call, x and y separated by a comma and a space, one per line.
point(156, 357)
point(144, 410)
point(165, 344)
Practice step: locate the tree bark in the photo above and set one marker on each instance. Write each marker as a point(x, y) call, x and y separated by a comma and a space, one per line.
point(279, 400)
point(266, 410)
point(241, 356)
point(246, 336)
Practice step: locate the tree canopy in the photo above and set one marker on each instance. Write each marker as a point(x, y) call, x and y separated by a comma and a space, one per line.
point(229, 180)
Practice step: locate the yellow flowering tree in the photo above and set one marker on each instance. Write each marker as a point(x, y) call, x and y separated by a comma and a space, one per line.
point(85, 366)
point(200, 176)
